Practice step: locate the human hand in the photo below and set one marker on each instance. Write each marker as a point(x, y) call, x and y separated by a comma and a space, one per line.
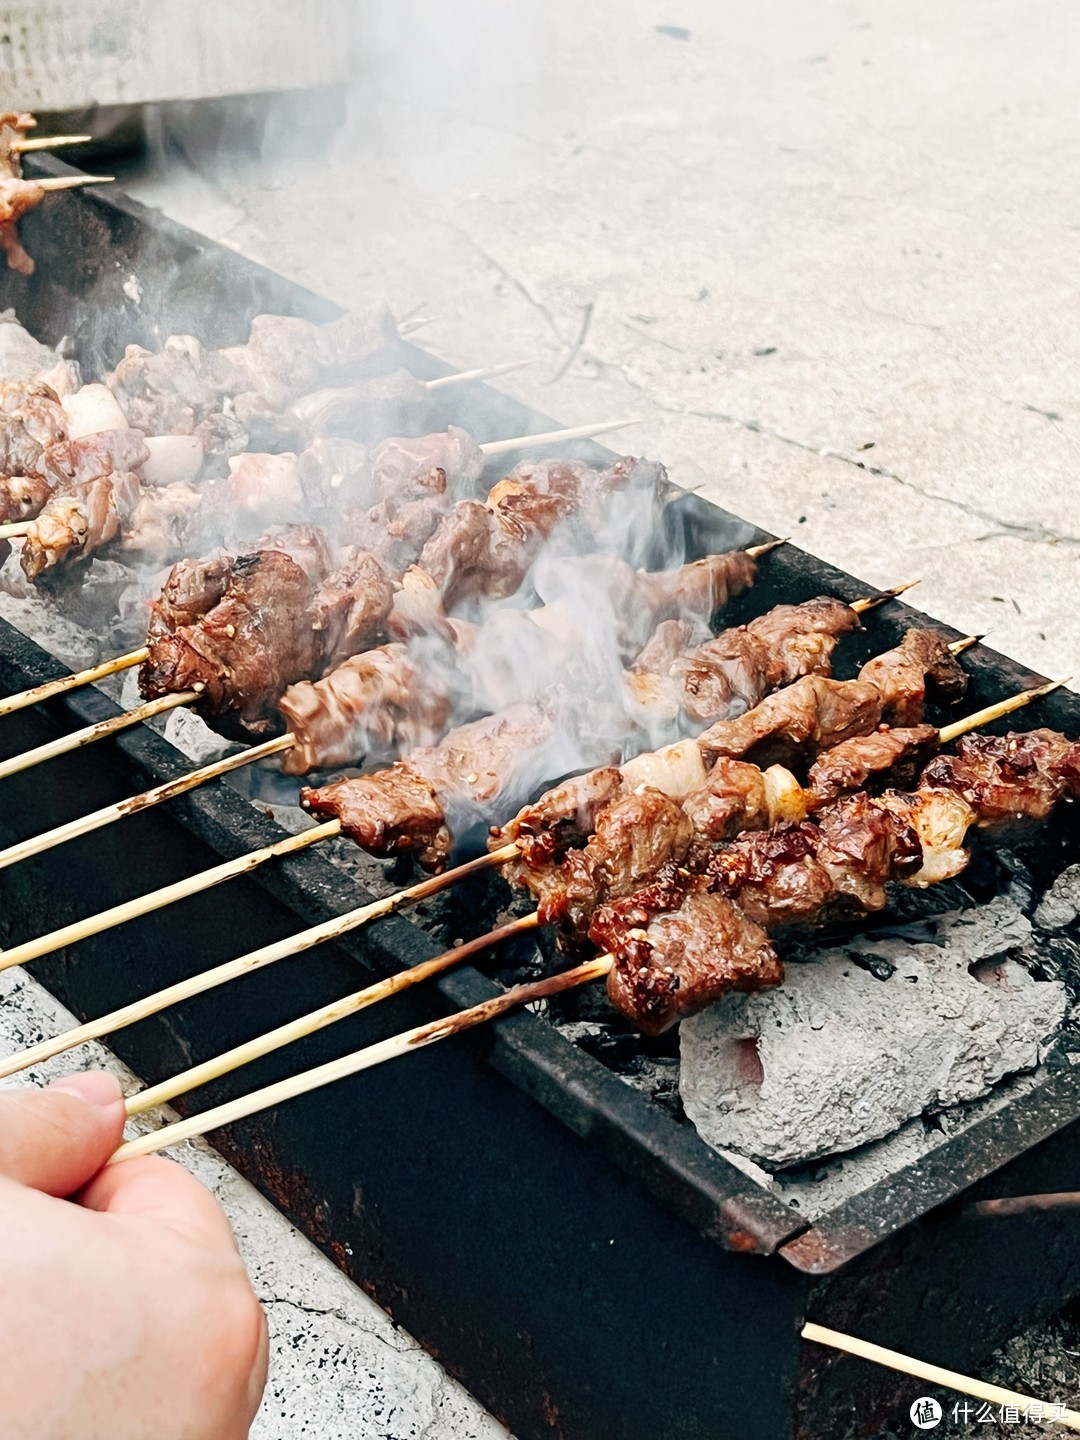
point(125, 1312)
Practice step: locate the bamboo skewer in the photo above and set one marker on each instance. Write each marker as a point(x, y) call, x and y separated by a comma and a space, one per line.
point(485, 372)
point(890, 1359)
point(245, 965)
point(47, 142)
point(167, 895)
point(995, 711)
point(85, 824)
point(364, 1059)
point(552, 437)
point(87, 736)
point(71, 182)
point(489, 447)
point(50, 688)
point(161, 1094)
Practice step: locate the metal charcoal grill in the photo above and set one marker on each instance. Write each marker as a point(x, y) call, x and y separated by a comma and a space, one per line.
point(579, 1257)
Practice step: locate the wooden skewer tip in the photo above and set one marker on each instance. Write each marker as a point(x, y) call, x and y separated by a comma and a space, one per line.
point(756, 551)
point(48, 142)
point(484, 372)
point(72, 182)
point(861, 606)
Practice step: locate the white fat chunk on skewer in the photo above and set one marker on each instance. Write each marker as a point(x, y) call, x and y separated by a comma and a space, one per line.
point(678, 770)
point(91, 409)
point(837, 1058)
point(173, 458)
point(259, 479)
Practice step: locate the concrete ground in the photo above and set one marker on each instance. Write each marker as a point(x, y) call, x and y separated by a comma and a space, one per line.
point(825, 251)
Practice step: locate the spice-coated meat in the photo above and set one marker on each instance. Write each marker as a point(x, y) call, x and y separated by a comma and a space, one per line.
point(351, 607)
point(1020, 776)
point(902, 675)
point(679, 947)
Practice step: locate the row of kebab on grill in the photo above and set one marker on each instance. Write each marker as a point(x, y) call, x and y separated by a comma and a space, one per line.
point(779, 810)
point(182, 446)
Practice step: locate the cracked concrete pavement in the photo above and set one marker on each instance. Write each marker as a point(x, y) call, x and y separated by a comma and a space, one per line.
point(824, 251)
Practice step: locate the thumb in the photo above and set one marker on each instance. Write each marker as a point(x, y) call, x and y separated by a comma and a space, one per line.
point(55, 1139)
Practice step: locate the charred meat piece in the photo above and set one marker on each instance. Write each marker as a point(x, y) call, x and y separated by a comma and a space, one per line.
point(486, 549)
point(192, 588)
point(351, 607)
point(31, 419)
point(733, 798)
point(807, 716)
point(894, 756)
point(392, 812)
point(161, 521)
point(1020, 776)
point(804, 872)
point(244, 651)
point(679, 947)
point(79, 522)
point(371, 707)
point(76, 462)
point(635, 837)
point(562, 818)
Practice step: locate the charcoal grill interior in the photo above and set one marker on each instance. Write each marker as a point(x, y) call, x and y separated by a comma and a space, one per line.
point(535, 1220)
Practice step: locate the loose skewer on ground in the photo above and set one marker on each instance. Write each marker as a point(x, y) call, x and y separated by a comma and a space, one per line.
point(221, 974)
point(936, 1375)
point(370, 1055)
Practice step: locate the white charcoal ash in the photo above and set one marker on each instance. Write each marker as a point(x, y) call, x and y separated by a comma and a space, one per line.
point(837, 1058)
point(1061, 904)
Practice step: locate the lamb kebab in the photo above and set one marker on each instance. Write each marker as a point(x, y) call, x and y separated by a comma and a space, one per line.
point(602, 835)
point(244, 629)
point(395, 697)
point(18, 195)
point(418, 804)
point(691, 937)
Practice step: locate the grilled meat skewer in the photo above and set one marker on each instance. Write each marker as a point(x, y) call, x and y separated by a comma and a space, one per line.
point(691, 937)
point(573, 842)
point(206, 650)
point(387, 700)
point(375, 809)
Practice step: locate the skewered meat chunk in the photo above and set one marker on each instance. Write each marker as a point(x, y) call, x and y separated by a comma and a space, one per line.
point(816, 712)
point(23, 496)
point(419, 804)
point(245, 650)
point(1020, 776)
point(371, 707)
point(902, 675)
point(486, 549)
point(736, 668)
point(563, 817)
point(161, 521)
point(78, 522)
point(859, 763)
point(678, 948)
point(31, 419)
point(76, 462)
point(351, 607)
